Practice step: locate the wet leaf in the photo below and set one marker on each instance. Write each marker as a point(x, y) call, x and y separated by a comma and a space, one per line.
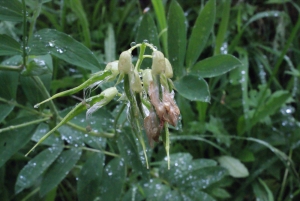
point(11, 10)
point(215, 66)
point(64, 47)
point(200, 32)
point(38, 65)
point(14, 139)
point(130, 152)
point(193, 88)
point(176, 38)
point(112, 180)
point(41, 130)
point(234, 166)
point(36, 167)
point(155, 190)
point(8, 45)
point(90, 177)
point(59, 170)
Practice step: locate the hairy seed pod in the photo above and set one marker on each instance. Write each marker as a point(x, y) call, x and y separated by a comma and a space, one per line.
point(169, 69)
point(152, 127)
point(124, 64)
point(158, 62)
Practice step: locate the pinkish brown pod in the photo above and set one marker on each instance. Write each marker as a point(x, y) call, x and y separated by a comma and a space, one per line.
point(152, 127)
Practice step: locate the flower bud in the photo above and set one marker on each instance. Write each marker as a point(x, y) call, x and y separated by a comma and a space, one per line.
point(135, 82)
point(124, 64)
point(113, 67)
point(169, 69)
point(101, 100)
point(158, 62)
point(147, 78)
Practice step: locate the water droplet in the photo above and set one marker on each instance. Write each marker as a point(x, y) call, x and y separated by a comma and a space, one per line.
point(36, 106)
point(132, 44)
point(145, 41)
point(51, 44)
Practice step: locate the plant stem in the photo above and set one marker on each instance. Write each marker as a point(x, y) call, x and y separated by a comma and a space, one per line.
point(23, 125)
point(94, 150)
point(11, 68)
point(24, 33)
point(141, 54)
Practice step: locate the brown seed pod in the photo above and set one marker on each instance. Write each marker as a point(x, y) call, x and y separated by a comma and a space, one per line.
point(152, 127)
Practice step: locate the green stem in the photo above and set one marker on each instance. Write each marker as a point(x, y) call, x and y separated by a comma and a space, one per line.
point(141, 54)
point(11, 68)
point(23, 107)
point(117, 117)
point(45, 94)
point(23, 125)
point(79, 128)
point(24, 33)
point(94, 150)
point(34, 18)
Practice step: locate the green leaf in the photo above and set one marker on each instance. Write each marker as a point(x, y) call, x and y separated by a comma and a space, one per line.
point(36, 167)
point(176, 38)
point(59, 170)
point(215, 66)
point(38, 65)
point(200, 33)
point(52, 140)
point(193, 88)
point(64, 47)
point(13, 140)
point(130, 152)
point(195, 194)
point(90, 177)
point(155, 190)
point(112, 180)
point(110, 44)
point(9, 46)
point(147, 31)
point(8, 91)
point(11, 10)
point(234, 166)
point(262, 191)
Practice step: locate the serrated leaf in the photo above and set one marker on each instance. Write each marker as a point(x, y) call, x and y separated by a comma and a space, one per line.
point(200, 32)
point(64, 47)
point(215, 66)
point(193, 88)
point(176, 38)
point(113, 178)
point(36, 167)
point(90, 177)
point(234, 166)
point(59, 170)
point(13, 140)
point(11, 10)
point(9, 46)
point(147, 31)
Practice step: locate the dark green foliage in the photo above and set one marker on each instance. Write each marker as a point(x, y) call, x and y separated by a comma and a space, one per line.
point(236, 80)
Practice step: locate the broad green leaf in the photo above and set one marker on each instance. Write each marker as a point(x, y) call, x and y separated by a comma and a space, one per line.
point(155, 190)
point(13, 140)
point(234, 166)
point(38, 65)
point(112, 180)
point(52, 140)
point(130, 152)
point(59, 170)
point(8, 45)
point(194, 194)
point(110, 44)
point(64, 47)
point(36, 167)
point(215, 66)
point(200, 32)
point(11, 10)
point(8, 91)
point(219, 193)
point(202, 178)
point(176, 38)
point(147, 31)
point(193, 88)
point(90, 177)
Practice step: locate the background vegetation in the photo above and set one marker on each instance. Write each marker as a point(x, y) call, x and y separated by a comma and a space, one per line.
point(239, 134)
